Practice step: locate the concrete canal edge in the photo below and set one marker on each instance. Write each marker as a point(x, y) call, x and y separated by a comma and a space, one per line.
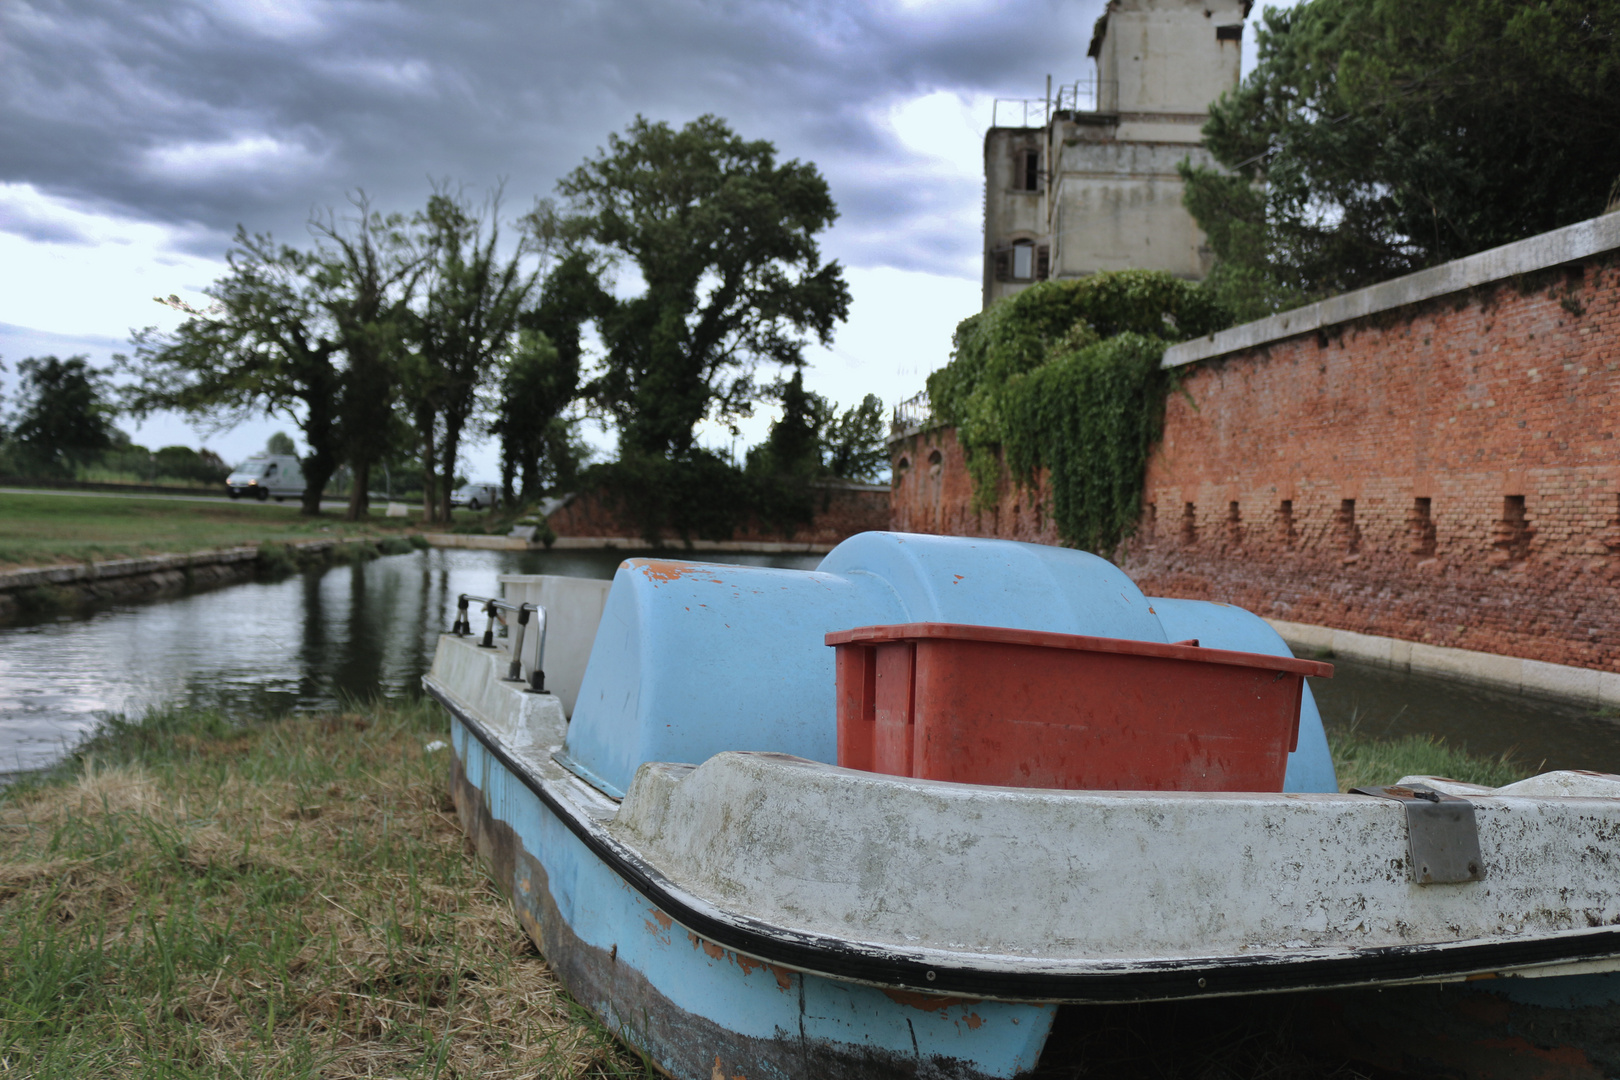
point(1587, 685)
point(46, 588)
point(623, 543)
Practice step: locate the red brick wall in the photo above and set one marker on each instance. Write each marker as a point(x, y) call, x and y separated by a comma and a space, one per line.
point(840, 512)
point(1482, 403)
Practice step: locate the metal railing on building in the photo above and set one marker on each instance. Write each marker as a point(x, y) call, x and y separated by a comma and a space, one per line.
point(912, 413)
point(1082, 95)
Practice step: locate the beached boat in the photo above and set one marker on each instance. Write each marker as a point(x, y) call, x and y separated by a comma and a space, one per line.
point(709, 881)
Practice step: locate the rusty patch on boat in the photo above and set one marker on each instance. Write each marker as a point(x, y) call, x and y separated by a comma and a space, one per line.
point(661, 570)
point(927, 1002)
point(784, 976)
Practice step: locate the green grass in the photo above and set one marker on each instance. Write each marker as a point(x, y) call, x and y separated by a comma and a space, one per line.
point(1363, 762)
point(39, 530)
point(193, 897)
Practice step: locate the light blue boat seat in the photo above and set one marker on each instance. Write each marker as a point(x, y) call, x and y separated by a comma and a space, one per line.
point(692, 659)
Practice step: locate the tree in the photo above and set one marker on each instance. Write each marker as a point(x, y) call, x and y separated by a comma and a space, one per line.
point(813, 440)
point(264, 348)
point(1377, 137)
point(366, 271)
point(723, 238)
point(280, 443)
point(536, 442)
point(466, 329)
point(63, 417)
point(853, 444)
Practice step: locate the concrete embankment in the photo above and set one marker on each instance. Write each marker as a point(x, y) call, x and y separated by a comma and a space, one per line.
point(624, 543)
point(49, 588)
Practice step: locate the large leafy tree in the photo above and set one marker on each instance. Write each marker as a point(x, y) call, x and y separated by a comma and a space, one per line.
point(63, 417)
point(723, 237)
point(1377, 137)
point(263, 348)
point(366, 269)
point(313, 336)
point(466, 329)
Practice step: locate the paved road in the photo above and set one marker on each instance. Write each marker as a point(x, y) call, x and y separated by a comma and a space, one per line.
point(326, 504)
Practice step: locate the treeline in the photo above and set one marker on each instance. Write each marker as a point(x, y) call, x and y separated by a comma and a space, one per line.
point(689, 254)
point(62, 429)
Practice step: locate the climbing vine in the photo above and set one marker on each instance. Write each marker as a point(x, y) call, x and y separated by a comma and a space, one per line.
point(1065, 377)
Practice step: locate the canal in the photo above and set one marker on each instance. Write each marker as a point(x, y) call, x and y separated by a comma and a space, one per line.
point(318, 638)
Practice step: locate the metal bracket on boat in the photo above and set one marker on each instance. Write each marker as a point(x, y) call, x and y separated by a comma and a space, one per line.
point(536, 681)
point(1442, 837)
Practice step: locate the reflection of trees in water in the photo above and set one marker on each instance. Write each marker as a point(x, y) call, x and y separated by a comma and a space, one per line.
point(314, 638)
point(358, 670)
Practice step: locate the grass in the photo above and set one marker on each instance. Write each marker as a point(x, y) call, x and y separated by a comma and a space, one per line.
point(1363, 762)
point(39, 530)
point(190, 897)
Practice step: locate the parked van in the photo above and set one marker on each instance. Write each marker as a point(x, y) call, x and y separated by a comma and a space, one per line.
point(476, 496)
point(267, 476)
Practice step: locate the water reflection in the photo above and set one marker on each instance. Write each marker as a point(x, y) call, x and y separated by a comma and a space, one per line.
point(316, 638)
point(308, 641)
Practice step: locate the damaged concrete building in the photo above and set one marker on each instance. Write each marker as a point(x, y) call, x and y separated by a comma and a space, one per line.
point(1086, 180)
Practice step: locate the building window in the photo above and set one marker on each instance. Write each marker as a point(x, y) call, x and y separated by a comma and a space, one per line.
point(1233, 32)
point(1023, 261)
point(1027, 170)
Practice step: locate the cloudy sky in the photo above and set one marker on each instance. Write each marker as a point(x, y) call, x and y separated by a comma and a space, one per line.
point(135, 136)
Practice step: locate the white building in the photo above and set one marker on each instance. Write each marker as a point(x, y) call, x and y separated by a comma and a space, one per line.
point(1086, 180)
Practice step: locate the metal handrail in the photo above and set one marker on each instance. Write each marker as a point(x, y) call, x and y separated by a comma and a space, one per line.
point(536, 681)
point(913, 412)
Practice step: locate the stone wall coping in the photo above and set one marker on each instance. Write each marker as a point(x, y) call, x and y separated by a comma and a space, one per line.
point(74, 573)
point(1572, 243)
point(636, 544)
point(1588, 685)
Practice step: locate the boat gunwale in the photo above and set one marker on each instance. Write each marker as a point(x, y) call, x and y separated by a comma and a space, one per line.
point(1017, 978)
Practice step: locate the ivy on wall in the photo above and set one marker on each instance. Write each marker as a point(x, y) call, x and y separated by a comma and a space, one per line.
point(1065, 377)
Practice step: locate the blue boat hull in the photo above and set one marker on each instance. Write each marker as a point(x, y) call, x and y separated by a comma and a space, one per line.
point(699, 1010)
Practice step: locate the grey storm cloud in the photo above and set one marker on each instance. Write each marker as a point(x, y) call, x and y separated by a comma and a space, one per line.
point(257, 111)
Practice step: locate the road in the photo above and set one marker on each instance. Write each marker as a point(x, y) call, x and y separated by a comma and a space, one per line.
point(326, 504)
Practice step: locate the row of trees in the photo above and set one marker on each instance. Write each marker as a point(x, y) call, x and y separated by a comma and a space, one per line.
point(62, 427)
point(414, 332)
point(1377, 137)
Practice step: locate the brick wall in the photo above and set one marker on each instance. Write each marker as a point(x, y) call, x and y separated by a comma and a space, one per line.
point(841, 511)
point(1444, 471)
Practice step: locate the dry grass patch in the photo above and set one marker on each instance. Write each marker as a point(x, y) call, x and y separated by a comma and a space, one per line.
point(290, 899)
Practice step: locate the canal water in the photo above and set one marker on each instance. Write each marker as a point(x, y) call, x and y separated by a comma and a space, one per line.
point(318, 638)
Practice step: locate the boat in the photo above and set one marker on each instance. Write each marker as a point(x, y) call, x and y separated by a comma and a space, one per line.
point(654, 775)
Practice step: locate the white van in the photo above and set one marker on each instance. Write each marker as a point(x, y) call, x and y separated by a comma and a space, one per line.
point(476, 496)
point(267, 476)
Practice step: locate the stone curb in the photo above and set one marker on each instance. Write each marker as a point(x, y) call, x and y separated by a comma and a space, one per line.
point(81, 573)
point(1601, 688)
point(1582, 240)
point(623, 543)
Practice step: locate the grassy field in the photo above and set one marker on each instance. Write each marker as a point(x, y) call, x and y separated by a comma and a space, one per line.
point(38, 530)
point(191, 898)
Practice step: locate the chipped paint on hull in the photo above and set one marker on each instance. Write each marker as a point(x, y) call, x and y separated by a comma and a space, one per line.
point(689, 1003)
